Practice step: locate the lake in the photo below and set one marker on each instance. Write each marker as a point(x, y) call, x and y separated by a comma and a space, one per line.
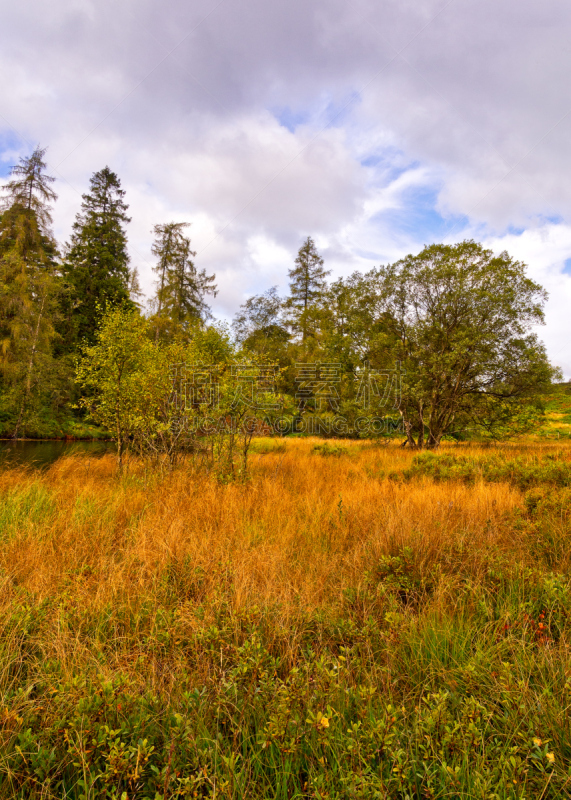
point(42, 453)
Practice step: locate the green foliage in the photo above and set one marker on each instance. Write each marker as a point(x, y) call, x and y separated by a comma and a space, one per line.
point(327, 449)
point(259, 326)
point(32, 383)
point(454, 323)
point(140, 389)
point(521, 472)
point(307, 290)
point(181, 288)
point(263, 447)
point(458, 321)
point(125, 377)
point(96, 263)
point(461, 321)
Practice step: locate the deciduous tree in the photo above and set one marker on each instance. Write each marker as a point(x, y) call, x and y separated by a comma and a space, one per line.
point(259, 326)
point(124, 376)
point(459, 320)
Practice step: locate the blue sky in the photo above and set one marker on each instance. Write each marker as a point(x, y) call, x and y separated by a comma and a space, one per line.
point(418, 217)
point(10, 146)
point(375, 126)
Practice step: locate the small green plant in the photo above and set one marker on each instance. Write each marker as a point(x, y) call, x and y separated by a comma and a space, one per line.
point(263, 447)
point(327, 449)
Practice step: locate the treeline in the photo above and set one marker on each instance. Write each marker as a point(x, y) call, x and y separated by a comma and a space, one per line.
point(52, 298)
point(454, 323)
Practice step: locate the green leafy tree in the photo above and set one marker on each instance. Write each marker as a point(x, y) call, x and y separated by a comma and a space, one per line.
point(141, 391)
point(259, 325)
point(307, 290)
point(355, 321)
point(29, 293)
point(179, 302)
point(458, 319)
point(96, 263)
point(124, 377)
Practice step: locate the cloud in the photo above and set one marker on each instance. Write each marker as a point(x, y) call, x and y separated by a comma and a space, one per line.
point(374, 125)
point(545, 249)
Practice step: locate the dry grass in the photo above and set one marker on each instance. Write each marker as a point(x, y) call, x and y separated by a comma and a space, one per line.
point(301, 530)
point(171, 582)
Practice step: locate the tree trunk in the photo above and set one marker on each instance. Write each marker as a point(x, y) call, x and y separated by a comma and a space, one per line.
point(420, 441)
point(30, 369)
point(120, 447)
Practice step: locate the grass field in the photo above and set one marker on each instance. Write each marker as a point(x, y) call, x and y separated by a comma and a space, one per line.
point(354, 621)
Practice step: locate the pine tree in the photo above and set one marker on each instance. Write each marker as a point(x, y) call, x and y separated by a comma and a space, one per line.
point(96, 266)
point(181, 288)
point(307, 287)
point(29, 288)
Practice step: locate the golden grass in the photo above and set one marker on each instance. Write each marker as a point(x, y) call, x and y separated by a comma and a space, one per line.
point(303, 528)
point(218, 621)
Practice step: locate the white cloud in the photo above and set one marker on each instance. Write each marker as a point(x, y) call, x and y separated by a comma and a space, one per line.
point(545, 251)
point(385, 100)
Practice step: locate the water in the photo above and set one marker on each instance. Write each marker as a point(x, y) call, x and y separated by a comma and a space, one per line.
point(40, 454)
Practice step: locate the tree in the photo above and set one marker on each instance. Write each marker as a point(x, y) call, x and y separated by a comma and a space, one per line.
point(30, 188)
point(134, 288)
point(124, 377)
point(356, 319)
point(29, 289)
point(96, 263)
point(169, 245)
point(459, 321)
point(307, 287)
point(144, 393)
point(258, 326)
point(179, 301)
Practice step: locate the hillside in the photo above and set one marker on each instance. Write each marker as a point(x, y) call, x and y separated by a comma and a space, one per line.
point(557, 423)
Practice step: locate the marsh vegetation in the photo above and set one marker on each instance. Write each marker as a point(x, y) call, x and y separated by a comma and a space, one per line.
point(361, 623)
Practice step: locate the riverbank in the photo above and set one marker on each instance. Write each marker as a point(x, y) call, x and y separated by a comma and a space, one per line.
point(65, 429)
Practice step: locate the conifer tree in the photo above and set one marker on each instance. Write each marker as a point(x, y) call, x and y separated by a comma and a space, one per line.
point(307, 287)
point(181, 288)
point(29, 288)
point(96, 264)
point(135, 292)
point(30, 188)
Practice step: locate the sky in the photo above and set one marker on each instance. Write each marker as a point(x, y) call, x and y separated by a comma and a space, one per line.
point(374, 126)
